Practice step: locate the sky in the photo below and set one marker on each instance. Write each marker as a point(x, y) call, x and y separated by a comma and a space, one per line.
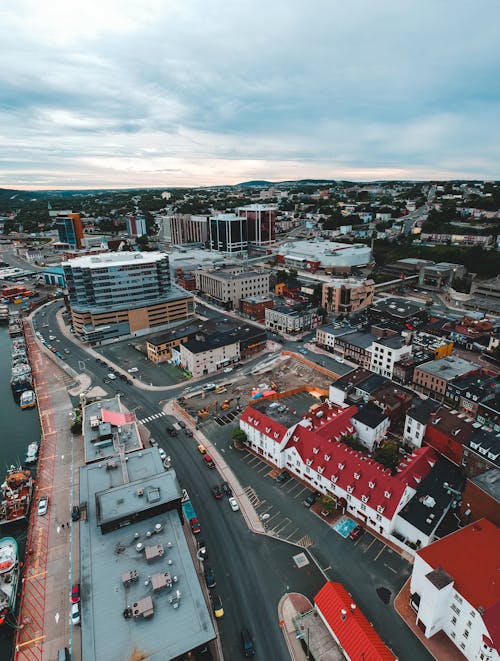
point(119, 93)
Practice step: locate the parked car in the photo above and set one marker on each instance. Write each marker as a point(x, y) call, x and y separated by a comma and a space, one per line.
point(247, 643)
point(171, 431)
point(43, 505)
point(311, 498)
point(356, 532)
point(202, 550)
point(189, 433)
point(195, 525)
point(209, 577)
point(208, 386)
point(217, 605)
point(202, 449)
point(163, 454)
point(234, 504)
point(217, 492)
point(111, 376)
point(227, 370)
point(75, 513)
point(75, 613)
point(226, 489)
point(75, 593)
point(208, 461)
point(283, 476)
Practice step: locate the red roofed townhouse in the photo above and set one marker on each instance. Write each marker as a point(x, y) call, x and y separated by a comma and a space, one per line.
point(347, 624)
point(455, 588)
point(311, 448)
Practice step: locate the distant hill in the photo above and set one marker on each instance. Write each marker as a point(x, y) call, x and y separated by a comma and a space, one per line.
point(254, 183)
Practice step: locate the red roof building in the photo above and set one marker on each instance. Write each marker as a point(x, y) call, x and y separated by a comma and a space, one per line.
point(312, 448)
point(347, 624)
point(455, 587)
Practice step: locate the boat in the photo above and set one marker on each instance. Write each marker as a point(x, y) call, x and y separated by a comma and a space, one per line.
point(28, 400)
point(21, 379)
point(32, 453)
point(16, 493)
point(9, 577)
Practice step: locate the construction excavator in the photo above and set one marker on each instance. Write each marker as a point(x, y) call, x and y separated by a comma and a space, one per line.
point(226, 404)
point(203, 413)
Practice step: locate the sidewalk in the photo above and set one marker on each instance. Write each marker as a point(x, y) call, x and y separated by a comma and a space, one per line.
point(439, 646)
point(290, 605)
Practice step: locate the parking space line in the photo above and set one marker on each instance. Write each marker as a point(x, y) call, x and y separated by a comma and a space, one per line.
point(263, 468)
point(292, 533)
point(379, 553)
point(370, 544)
point(295, 486)
point(277, 529)
point(299, 493)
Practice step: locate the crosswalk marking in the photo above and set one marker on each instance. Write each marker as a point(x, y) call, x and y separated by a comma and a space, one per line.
point(305, 541)
point(150, 418)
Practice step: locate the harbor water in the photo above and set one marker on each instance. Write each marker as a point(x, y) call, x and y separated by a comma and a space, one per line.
point(17, 430)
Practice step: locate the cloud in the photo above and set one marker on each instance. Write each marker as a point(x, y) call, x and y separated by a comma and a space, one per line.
point(185, 93)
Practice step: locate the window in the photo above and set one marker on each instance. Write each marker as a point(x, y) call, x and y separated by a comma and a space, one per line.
point(454, 620)
point(466, 633)
point(462, 645)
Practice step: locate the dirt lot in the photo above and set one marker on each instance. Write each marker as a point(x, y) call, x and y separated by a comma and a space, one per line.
point(284, 372)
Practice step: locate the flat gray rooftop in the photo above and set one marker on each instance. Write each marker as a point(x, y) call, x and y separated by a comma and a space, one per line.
point(448, 368)
point(180, 620)
point(97, 449)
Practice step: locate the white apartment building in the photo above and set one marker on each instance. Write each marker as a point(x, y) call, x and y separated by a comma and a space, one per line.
point(371, 425)
point(386, 352)
point(229, 285)
point(205, 358)
point(455, 589)
point(416, 421)
point(311, 448)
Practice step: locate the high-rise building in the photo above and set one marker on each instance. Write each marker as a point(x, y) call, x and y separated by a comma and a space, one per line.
point(70, 229)
point(136, 225)
point(260, 219)
point(347, 295)
point(120, 294)
point(187, 228)
point(228, 233)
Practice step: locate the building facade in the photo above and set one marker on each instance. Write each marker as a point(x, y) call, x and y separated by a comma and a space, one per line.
point(228, 233)
point(386, 352)
point(432, 378)
point(260, 221)
point(285, 319)
point(70, 229)
point(254, 307)
point(229, 285)
point(454, 591)
point(136, 225)
point(187, 228)
point(119, 294)
point(344, 296)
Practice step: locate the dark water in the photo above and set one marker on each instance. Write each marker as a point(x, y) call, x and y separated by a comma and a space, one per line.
point(17, 429)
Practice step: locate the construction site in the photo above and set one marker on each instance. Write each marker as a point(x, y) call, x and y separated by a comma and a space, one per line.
point(269, 379)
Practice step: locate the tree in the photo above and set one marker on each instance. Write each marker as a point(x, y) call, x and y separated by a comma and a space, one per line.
point(387, 455)
point(239, 436)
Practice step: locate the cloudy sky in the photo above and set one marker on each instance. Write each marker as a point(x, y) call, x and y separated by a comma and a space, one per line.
point(109, 93)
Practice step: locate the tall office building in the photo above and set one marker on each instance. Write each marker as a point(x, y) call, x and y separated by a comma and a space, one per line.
point(70, 229)
point(260, 219)
point(136, 225)
point(120, 294)
point(228, 233)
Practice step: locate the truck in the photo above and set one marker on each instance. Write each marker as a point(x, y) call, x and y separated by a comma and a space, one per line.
point(190, 514)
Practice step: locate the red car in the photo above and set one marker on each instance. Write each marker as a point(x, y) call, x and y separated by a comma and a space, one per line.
point(195, 526)
point(208, 461)
point(356, 532)
point(75, 593)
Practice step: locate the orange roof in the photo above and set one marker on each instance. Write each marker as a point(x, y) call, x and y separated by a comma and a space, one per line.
point(116, 418)
point(470, 556)
point(354, 633)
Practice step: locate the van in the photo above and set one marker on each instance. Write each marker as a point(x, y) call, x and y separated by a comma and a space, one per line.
point(63, 654)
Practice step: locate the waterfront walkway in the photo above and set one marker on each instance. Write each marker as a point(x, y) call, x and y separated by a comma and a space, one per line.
point(44, 615)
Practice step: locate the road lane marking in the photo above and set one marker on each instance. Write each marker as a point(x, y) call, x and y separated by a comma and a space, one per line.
point(390, 568)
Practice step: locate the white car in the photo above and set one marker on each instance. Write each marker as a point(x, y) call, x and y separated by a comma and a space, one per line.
point(234, 504)
point(226, 370)
point(163, 454)
point(43, 505)
point(52, 337)
point(75, 613)
point(111, 376)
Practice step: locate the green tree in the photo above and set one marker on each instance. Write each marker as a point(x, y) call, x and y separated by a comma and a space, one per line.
point(387, 455)
point(239, 436)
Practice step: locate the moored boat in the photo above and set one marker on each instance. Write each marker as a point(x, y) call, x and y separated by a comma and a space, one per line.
point(32, 453)
point(16, 492)
point(9, 577)
point(27, 400)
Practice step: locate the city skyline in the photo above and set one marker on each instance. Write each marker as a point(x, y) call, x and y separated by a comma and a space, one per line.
point(116, 95)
